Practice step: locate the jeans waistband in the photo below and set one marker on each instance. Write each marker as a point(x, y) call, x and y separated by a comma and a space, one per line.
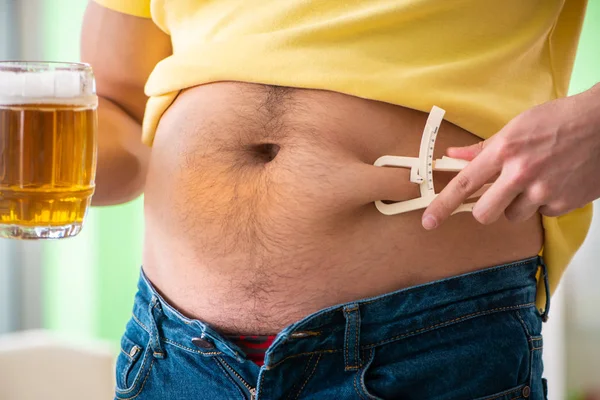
point(358, 325)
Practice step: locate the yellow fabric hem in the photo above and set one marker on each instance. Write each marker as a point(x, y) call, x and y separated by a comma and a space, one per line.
point(158, 104)
point(137, 8)
point(564, 235)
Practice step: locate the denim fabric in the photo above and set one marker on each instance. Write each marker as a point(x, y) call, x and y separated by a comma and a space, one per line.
point(474, 336)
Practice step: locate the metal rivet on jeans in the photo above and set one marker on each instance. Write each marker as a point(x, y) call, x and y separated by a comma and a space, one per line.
point(526, 391)
point(299, 335)
point(133, 351)
point(203, 343)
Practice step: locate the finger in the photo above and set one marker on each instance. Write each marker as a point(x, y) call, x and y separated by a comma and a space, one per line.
point(467, 182)
point(551, 210)
point(468, 152)
point(493, 202)
point(521, 209)
point(493, 178)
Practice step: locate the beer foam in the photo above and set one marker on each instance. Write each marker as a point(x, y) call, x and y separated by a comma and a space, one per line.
point(47, 87)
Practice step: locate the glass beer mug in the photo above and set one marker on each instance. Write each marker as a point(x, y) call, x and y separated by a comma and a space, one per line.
point(48, 148)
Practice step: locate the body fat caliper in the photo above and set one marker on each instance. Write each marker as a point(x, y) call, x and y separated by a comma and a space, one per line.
point(421, 170)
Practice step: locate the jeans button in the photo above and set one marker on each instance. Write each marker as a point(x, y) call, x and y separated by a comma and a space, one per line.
point(526, 391)
point(203, 343)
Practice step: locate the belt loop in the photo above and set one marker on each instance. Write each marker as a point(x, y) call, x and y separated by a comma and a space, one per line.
point(547, 287)
point(352, 359)
point(154, 309)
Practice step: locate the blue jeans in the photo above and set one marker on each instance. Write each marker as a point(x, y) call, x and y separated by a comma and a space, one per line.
point(473, 336)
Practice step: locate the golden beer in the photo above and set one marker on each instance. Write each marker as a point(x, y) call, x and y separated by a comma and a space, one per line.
point(47, 160)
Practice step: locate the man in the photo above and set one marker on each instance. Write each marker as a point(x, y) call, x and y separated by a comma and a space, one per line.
point(268, 272)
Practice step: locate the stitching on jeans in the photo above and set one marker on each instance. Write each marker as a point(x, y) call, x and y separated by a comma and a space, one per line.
point(464, 317)
point(212, 353)
point(538, 348)
point(239, 377)
point(303, 374)
point(268, 367)
point(125, 371)
point(356, 377)
point(356, 388)
point(530, 344)
point(126, 354)
point(506, 393)
point(361, 373)
point(144, 383)
point(137, 378)
point(154, 330)
point(140, 324)
point(362, 376)
point(524, 326)
point(346, 357)
point(260, 383)
point(356, 344)
point(310, 375)
point(229, 377)
point(141, 387)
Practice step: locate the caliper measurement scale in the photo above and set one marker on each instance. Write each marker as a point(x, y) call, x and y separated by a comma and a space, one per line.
point(421, 170)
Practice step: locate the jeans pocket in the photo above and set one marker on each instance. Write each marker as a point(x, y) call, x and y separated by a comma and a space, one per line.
point(487, 357)
point(519, 392)
point(134, 363)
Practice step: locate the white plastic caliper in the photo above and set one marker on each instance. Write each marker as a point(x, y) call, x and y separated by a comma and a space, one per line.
point(421, 170)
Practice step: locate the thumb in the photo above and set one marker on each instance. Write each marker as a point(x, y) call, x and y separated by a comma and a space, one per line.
point(468, 152)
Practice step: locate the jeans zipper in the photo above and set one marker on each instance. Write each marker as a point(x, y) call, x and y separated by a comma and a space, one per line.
point(250, 389)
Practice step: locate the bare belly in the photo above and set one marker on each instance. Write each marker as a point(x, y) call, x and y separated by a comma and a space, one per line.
point(259, 207)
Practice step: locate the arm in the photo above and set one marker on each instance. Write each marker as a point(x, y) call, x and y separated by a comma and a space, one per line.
point(547, 158)
point(122, 50)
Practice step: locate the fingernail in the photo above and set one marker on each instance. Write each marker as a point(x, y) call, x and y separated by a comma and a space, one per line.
point(429, 222)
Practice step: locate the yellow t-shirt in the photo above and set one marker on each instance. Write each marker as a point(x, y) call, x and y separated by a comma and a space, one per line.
point(483, 61)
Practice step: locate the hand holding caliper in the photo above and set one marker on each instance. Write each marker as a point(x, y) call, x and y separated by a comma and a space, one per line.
point(547, 158)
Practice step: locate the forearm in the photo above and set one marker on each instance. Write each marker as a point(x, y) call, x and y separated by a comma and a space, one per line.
point(582, 125)
point(122, 50)
point(122, 157)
